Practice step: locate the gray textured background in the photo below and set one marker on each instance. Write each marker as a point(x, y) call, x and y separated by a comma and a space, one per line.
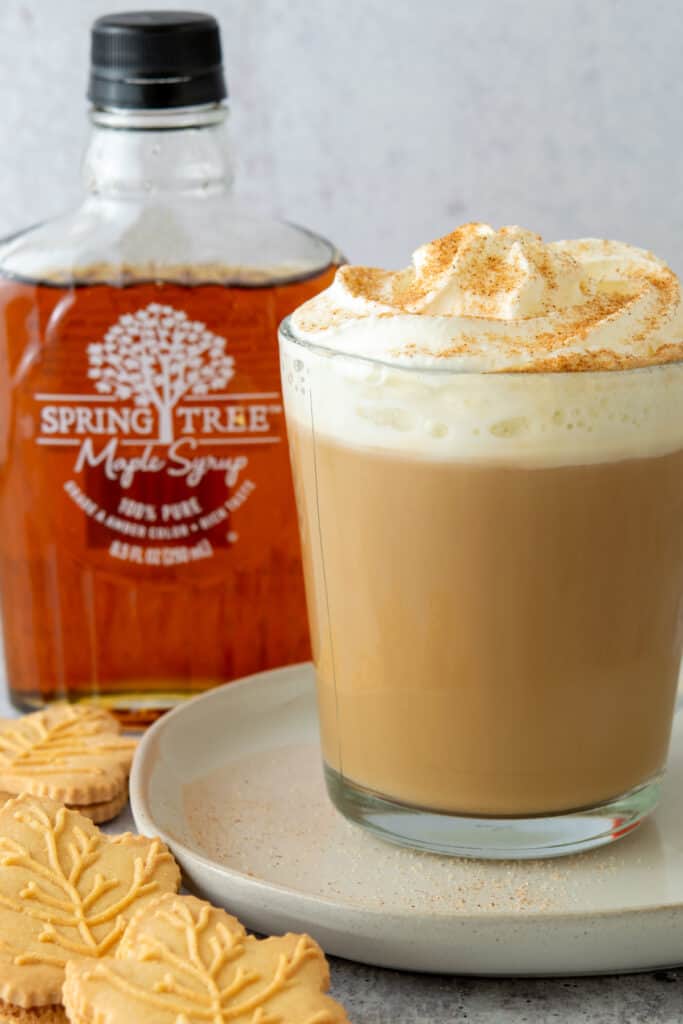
point(383, 122)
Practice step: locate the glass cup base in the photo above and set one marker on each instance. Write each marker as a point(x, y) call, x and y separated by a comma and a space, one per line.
point(553, 835)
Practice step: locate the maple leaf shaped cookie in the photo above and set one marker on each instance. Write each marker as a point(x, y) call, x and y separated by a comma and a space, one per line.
point(182, 960)
point(67, 891)
point(70, 753)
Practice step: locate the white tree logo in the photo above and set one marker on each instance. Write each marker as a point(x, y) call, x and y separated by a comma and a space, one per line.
point(157, 356)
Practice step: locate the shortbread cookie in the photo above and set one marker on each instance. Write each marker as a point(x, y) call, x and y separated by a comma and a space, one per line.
point(67, 891)
point(70, 753)
point(99, 813)
point(183, 960)
point(38, 1015)
point(104, 811)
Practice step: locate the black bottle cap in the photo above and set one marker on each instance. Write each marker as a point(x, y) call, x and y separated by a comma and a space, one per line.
point(151, 60)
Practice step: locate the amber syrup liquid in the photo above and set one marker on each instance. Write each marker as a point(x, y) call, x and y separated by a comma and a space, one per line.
point(148, 534)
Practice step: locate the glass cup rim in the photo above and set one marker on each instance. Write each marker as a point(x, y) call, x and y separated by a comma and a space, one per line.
point(287, 331)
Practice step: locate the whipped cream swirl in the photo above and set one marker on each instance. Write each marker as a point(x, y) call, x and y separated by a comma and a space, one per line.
point(486, 300)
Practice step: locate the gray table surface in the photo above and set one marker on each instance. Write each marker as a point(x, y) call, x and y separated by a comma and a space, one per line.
point(374, 996)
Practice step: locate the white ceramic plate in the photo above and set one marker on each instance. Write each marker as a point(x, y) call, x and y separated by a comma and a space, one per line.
point(232, 782)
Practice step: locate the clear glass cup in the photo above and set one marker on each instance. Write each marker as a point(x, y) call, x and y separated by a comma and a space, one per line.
point(494, 574)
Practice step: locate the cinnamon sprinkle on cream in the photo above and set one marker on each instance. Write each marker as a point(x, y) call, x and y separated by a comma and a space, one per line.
point(492, 301)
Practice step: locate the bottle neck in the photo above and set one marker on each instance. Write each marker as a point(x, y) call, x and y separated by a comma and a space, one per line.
point(148, 156)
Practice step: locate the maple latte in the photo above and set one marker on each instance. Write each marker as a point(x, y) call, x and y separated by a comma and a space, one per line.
point(488, 460)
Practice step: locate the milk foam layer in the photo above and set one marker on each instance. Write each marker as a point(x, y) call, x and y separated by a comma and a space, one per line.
point(428, 382)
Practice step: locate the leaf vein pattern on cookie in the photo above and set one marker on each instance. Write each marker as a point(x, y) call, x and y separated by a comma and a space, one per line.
point(56, 894)
point(181, 959)
point(65, 738)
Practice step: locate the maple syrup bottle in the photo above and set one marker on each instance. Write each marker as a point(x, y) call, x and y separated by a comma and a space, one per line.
point(148, 535)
